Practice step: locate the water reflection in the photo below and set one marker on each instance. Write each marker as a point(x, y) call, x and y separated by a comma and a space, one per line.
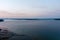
point(33, 30)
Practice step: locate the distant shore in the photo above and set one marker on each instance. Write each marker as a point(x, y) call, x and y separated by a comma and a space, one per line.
point(32, 18)
point(1, 20)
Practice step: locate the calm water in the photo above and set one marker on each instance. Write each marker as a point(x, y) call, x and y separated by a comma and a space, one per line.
point(38, 29)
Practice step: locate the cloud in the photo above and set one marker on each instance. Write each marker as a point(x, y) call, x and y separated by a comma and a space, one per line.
point(4, 14)
point(52, 14)
point(43, 14)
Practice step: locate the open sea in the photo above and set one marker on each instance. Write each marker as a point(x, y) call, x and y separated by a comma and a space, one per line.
point(34, 29)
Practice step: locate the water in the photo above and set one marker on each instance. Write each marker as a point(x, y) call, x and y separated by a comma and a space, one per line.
point(36, 29)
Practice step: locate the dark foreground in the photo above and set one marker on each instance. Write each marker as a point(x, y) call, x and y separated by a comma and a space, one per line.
point(8, 35)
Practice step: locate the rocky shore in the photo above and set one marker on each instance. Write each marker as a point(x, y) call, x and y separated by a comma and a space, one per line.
point(5, 34)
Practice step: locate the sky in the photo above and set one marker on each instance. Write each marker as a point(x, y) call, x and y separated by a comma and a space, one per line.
point(29, 8)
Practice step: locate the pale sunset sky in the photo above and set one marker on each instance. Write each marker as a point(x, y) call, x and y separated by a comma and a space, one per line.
point(29, 8)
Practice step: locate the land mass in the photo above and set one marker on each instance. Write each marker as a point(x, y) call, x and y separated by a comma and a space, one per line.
point(2, 19)
point(32, 18)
